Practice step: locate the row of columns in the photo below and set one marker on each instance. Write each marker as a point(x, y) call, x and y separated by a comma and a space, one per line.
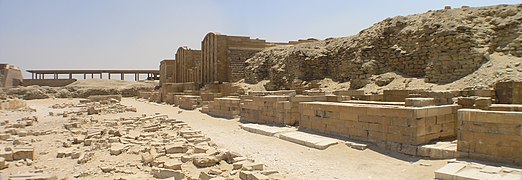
point(122, 75)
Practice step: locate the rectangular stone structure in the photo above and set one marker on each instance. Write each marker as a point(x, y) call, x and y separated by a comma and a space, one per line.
point(167, 71)
point(223, 57)
point(380, 123)
point(227, 107)
point(189, 102)
point(508, 92)
point(494, 136)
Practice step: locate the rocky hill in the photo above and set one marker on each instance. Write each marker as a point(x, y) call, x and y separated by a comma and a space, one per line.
point(439, 47)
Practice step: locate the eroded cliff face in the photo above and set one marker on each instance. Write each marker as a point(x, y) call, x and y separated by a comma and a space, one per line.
point(440, 46)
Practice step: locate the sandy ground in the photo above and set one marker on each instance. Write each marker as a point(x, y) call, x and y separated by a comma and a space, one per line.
point(291, 160)
point(297, 161)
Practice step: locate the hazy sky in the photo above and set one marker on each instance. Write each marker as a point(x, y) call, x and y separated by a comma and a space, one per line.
point(137, 34)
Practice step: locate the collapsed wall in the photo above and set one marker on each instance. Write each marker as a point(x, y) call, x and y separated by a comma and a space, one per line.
point(440, 46)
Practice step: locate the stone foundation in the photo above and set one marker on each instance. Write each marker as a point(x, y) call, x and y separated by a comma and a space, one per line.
point(189, 102)
point(493, 136)
point(227, 107)
point(380, 123)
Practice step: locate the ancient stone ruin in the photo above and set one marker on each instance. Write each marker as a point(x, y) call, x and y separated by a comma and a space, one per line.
point(415, 90)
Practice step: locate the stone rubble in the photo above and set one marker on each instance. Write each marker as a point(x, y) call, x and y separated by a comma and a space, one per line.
point(143, 146)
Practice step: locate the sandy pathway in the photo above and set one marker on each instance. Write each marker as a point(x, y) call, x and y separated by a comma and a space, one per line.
point(296, 161)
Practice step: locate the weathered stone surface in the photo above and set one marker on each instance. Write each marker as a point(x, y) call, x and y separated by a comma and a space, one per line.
point(117, 148)
point(3, 164)
point(147, 158)
point(23, 153)
point(172, 164)
point(176, 148)
point(33, 176)
point(85, 157)
point(162, 173)
point(309, 140)
point(204, 160)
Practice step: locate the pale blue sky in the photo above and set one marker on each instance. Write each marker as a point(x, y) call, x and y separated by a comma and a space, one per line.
point(137, 34)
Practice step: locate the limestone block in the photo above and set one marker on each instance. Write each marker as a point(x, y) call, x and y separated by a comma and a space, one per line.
point(204, 160)
point(483, 102)
point(147, 158)
point(33, 176)
point(85, 157)
point(176, 148)
point(117, 148)
point(466, 101)
point(172, 164)
point(162, 173)
point(23, 153)
point(449, 171)
point(419, 102)
point(3, 164)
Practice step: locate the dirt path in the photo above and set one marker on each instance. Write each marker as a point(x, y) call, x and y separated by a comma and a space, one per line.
point(296, 161)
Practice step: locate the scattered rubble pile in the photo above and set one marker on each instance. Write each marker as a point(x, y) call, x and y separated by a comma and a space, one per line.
point(128, 147)
point(439, 46)
point(15, 147)
point(99, 104)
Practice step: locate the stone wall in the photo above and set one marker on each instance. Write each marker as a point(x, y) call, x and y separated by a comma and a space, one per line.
point(167, 71)
point(189, 102)
point(223, 56)
point(227, 107)
point(10, 76)
point(508, 92)
point(493, 136)
point(440, 46)
point(265, 109)
point(188, 65)
point(380, 123)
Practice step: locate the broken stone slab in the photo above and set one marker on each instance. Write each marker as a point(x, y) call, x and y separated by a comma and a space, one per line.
point(162, 173)
point(117, 148)
point(63, 153)
point(204, 160)
point(172, 164)
point(265, 129)
point(205, 176)
point(32, 176)
point(178, 147)
point(147, 158)
point(449, 170)
point(107, 169)
point(4, 137)
point(85, 157)
point(252, 167)
point(310, 140)
point(357, 146)
point(7, 155)
point(439, 150)
point(3, 164)
point(247, 175)
point(419, 102)
point(78, 139)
